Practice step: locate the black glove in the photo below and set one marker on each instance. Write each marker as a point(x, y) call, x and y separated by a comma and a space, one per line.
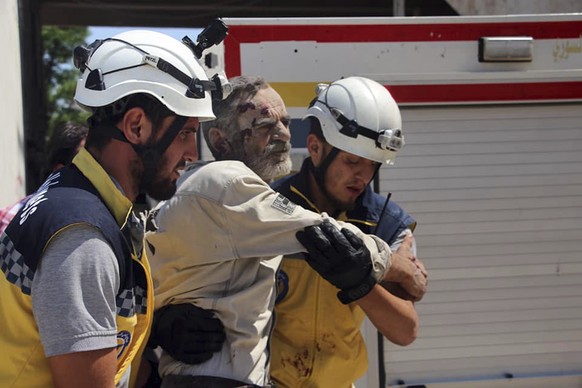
point(188, 333)
point(341, 258)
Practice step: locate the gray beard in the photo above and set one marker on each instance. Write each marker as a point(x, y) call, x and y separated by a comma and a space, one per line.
point(263, 165)
point(267, 170)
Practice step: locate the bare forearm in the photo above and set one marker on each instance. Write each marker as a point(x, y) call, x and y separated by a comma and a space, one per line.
point(91, 369)
point(395, 318)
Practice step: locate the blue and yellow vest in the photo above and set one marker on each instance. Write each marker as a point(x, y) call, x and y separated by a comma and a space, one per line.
point(317, 340)
point(80, 193)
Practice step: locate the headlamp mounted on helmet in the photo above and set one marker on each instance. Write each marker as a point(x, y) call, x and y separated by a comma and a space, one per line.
point(387, 139)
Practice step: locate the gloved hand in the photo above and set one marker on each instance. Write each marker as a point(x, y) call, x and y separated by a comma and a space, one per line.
point(188, 333)
point(341, 258)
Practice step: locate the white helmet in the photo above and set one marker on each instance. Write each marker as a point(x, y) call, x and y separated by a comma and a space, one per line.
point(359, 116)
point(142, 61)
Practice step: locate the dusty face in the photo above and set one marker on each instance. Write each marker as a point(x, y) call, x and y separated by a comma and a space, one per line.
point(161, 183)
point(346, 178)
point(265, 138)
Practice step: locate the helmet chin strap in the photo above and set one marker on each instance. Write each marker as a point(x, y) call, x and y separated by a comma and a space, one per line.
point(150, 155)
point(378, 165)
point(320, 171)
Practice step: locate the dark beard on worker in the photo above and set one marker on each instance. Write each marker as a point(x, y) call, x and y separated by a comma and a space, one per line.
point(334, 201)
point(157, 184)
point(273, 162)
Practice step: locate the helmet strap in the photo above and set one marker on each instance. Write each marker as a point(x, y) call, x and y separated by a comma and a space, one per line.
point(387, 139)
point(378, 165)
point(150, 155)
point(320, 171)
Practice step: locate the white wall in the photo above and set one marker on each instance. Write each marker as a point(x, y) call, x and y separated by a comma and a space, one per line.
point(12, 130)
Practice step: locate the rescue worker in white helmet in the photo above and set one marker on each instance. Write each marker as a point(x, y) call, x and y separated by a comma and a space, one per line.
point(77, 298)
point(355, 127)
point(308, 301)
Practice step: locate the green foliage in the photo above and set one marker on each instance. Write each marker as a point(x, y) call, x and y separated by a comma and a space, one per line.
point(59, 75)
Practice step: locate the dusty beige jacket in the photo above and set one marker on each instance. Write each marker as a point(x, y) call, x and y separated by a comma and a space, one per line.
point(219, 243)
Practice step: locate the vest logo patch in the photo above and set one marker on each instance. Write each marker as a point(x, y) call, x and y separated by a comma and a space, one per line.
point(123, 339)
point(282, 285)
point(283, 204)
point(38, 197)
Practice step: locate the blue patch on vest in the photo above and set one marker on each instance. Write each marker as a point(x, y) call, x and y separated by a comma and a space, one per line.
point(282, 286)
point(123, 340)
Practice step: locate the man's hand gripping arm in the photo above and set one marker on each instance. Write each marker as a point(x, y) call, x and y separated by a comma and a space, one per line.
point(354, 262)
point(344, 260)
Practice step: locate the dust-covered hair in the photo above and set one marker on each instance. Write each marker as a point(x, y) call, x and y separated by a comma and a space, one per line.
point(227, 111)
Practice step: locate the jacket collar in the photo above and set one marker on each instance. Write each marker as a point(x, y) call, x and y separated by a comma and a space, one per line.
point(119, 205)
